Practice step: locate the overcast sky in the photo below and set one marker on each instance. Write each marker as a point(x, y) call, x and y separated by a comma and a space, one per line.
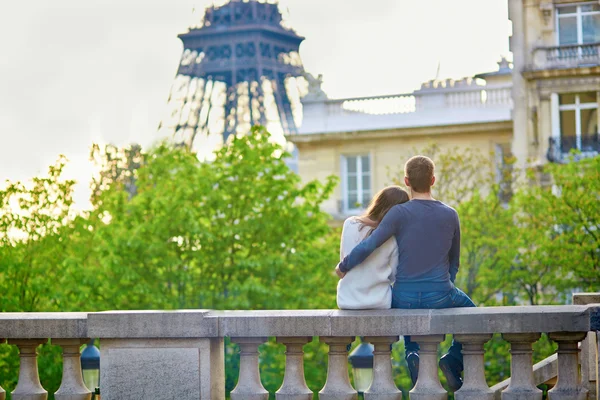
point(74, 72)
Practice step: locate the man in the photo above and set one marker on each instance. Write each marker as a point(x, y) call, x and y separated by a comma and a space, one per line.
point(428, 235)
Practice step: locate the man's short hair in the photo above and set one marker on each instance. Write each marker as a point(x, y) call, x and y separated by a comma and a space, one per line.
point(419, 171)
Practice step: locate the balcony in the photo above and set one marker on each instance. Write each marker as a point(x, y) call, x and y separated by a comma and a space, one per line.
point(180, 354)
point(436, 103)
point(586, 145)
point(566, 57)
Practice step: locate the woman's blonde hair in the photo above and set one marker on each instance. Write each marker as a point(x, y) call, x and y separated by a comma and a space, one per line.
point(382, 203)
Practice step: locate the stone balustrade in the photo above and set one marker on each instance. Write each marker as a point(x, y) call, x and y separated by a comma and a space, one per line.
point(180, 354)
point(27, 331)
point(566, 56)
point(431, 105)
point(426, 99)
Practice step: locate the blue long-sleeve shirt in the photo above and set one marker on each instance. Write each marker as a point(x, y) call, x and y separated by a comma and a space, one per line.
point(428, 236)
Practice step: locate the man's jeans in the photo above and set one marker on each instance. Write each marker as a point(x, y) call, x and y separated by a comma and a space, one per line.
point(413, 300)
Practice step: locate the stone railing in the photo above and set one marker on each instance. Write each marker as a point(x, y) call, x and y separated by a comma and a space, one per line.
point(435, 103)
point(377, 105)
point(425, 99)
point(180, 354)
point(571, 56)
point(27, 331)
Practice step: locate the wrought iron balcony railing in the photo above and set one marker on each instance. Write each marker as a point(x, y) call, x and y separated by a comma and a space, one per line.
point(587, 145)
point(570, 56)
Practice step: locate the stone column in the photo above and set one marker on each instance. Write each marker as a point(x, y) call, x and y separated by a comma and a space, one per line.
point(337, 386)
point(428, 386)
point(2, 391)
point(597, 351)
point(71, 386)
point(383, 386)
point(588, 358)
point(474, 387)
point(544, 126)
point(568, 386)
point(249, 386)
point(520, 111)
point(29, 386)
point(522, 385)
point(294, 385)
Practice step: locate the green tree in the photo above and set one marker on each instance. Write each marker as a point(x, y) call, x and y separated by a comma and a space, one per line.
point(460, 172)
point(228, 234)
point(559, 240)
point(34, 220)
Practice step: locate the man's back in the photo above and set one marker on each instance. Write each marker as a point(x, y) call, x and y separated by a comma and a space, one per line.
point(428, 237)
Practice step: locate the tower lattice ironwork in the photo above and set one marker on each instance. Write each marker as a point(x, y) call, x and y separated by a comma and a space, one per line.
point(239, 68)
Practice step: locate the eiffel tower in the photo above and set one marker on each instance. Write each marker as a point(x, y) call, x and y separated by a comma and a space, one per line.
point(238, 69)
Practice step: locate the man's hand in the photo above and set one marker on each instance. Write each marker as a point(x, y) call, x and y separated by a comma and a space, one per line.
point(339, 272)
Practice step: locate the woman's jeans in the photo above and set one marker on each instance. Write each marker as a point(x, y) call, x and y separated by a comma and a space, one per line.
point(414, 300)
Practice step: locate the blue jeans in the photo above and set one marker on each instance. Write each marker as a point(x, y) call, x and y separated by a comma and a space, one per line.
point(435, 300)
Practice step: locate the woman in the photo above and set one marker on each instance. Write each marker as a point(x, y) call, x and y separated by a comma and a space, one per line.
point(368, 286)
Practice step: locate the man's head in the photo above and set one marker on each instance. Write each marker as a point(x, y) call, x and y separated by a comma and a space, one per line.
point(419, 174)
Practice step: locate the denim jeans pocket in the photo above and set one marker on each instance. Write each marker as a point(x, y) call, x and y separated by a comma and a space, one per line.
point(397, 303)
point(440, 302)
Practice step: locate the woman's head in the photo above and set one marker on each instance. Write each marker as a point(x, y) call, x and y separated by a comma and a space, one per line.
point(382, 203)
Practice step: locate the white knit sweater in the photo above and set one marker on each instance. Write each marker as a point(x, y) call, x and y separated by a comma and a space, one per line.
point(368, 285)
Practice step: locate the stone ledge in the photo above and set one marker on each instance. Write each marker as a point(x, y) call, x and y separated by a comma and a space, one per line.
point(59, 325)
point(152, 324)
point(285, 323)
point(480, 320)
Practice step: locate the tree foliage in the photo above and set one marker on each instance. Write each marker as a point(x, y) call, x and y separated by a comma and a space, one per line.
point(461, 172)
point(167, 231)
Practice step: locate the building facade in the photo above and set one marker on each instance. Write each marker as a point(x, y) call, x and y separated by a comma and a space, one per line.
point(538, 111)
point(366, 141)
point(556, 78)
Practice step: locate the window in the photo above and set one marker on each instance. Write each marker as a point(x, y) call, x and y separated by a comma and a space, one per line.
point(356, 182)
point(579, 24)
point(578, 121)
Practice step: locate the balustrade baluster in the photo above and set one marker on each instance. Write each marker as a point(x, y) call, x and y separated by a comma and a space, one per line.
point(568, 386)
point(294, 385)
point(28, 386)
point(337, 386)
point(2, 391)
point(522, 386)
point(249, 386)
point(474, 387)
point(383, 386)
point(71, 386)
point(428, 386)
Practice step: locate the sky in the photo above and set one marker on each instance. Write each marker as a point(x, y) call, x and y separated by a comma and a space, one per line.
point(77, 72)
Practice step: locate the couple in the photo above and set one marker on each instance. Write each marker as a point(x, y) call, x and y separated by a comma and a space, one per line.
point(413, 245)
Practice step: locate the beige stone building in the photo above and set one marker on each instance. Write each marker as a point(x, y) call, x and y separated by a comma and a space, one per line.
point(539, 110)
point(556, 78)
point(365, 140)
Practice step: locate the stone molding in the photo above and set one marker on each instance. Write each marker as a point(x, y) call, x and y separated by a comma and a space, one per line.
point(286, 323)
point(568, 85)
